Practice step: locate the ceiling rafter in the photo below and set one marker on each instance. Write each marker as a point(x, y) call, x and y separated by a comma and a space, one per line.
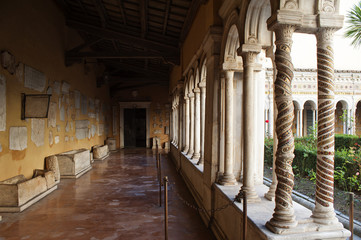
point(119, 66)
point(101, 12)
point(121, 8)
point(143, 8)
point(121, 37)
point(86, 44)
point(166, 15)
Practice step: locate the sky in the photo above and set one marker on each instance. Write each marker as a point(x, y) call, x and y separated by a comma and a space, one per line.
point(346, 56)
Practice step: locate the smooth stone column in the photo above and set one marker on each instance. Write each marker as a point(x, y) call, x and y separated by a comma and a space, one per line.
point(197, 124)
point(186, 118)
point(191, 125)
point(249, 125)
point(283, 216)
point(323, 212)
point(228, 176)
point(202, 86)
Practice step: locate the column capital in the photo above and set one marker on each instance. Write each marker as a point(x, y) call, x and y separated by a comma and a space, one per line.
point(196, 90)
point(325, 35)
point(202, 85)
point(191, 95)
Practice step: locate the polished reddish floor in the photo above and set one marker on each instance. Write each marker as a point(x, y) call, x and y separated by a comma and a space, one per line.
point(117, 199)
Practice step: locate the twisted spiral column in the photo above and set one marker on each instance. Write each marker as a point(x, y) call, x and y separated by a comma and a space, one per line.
point(283, 216)
point(324, 212)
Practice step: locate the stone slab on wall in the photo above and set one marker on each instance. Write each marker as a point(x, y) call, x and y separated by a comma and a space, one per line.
point(65, 87)
point(18, 138)
point(81, 129)
point(38, 131)
point(2, 103)
point(62, 113)
point(56, 87)
point(34, 79)
point(100, 129)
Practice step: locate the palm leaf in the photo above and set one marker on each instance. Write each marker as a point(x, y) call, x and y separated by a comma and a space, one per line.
point(353, 30)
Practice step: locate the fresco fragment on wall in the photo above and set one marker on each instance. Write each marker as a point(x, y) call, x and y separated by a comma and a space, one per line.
point(34, 79)
point(52, 115)
point(18, 138)
point(2, 103)
point(38, 131)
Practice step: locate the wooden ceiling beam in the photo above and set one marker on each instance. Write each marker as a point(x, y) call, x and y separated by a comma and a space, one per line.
point(143, 9)
point(167, 9)
point(101, 12)
point(88, 43)
point(122, 37)
point(119, 66)
point(121, 8)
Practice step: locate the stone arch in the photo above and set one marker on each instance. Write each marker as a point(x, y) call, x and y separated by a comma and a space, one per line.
point(340, 123)
point(204, 71)
point(255, 29)
point(230, 43)
point(196, 78)
point(309, 117)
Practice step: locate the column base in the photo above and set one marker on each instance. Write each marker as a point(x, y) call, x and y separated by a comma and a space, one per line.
point(196, 156)
point(200, 161)
point(326, 217)
point(190, 153)
point(271, 194)
point(251, 194)
point(282, 222)
point(185, 150)
point(228, 180)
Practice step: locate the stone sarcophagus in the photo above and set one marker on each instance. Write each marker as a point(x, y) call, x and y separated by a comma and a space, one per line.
point(100, 152)
point(18, 193)
point(73, 164)
point(112, 144)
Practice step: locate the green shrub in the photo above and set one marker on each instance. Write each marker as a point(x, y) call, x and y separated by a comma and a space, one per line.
point(347, 159)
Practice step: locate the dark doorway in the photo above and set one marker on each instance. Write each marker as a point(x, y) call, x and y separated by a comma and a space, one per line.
point(135, 127)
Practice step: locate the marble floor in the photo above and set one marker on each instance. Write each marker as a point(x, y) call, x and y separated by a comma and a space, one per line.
point(117, 199)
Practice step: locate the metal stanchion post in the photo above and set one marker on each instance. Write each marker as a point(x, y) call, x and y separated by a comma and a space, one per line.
point(166, 208)
point(351, 213)
point(160, 180)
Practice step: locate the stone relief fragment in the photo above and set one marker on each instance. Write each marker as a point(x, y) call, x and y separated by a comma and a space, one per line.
point(65, 87)
point(84, 104)
point(38, 131)
point(34, 79)
point(100, 129)
point(19, 72)
point(2, 103)
point(81, 129)
point(62, 113)
point(8, 62)
point(57, 139)
point(52, 115)
point(18, 138)
point(51, 139)
point(56, 87)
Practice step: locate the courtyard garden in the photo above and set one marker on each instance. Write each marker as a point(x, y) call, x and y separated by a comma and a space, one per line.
point(347, 169)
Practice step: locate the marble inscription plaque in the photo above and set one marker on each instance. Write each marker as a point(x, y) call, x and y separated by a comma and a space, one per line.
point(38, 131)
point(18, 138)
point(34, 79)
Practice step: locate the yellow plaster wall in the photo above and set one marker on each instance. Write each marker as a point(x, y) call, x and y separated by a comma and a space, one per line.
point(34, 32)
point(207, 16)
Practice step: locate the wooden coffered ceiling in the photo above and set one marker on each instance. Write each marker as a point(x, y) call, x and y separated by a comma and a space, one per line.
point(137, 40)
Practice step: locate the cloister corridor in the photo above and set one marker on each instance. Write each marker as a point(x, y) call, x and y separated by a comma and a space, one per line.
point(118, 199)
